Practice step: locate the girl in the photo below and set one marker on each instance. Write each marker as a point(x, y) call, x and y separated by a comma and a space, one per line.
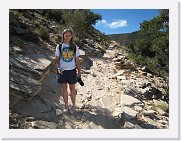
point(68, 66)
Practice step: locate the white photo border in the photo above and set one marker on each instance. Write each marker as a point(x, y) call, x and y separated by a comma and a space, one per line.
point(174, 128)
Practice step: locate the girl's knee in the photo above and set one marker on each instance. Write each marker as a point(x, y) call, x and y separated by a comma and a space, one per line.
point(64, 86)
point(72, 90)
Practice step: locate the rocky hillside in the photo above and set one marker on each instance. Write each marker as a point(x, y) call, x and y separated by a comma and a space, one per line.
point(32, 45)
point(118, 94)
point(126, 38)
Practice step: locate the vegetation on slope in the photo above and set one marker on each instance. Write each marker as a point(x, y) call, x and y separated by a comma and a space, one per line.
point(150, 45)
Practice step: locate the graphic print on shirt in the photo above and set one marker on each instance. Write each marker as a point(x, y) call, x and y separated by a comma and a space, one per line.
point(67, 54)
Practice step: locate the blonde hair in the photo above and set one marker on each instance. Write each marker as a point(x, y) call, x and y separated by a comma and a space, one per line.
point(71, 43)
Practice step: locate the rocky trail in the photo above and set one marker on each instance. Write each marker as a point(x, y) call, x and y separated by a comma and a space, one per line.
point(116, 95)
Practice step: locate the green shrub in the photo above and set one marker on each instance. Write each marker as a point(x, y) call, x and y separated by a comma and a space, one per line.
point(18, 13)
point(36, 22)
point(18, 43)
point(163, 105)
point(56, 38)
point(43, 32)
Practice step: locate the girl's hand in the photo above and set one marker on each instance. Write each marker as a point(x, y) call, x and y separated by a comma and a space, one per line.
point(60, 71)
point(78, 75)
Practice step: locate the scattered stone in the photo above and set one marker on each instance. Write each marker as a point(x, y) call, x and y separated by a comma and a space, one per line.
point(149, 112)
point(44, 125)
point(121, 77)
point(59, 112)
point(129, 113)
point(129, 125)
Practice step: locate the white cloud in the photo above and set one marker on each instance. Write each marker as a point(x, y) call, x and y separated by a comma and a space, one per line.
point(101, 22)
point(104, 21)
point(114, 24)
point(118, 24)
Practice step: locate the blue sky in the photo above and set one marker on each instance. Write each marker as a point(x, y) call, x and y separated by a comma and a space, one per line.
point(118, 21)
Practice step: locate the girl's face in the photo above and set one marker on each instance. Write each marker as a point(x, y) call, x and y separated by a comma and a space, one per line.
point(67, 36)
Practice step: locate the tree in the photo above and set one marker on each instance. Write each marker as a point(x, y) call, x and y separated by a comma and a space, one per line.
point(156, 41)
point(80, 20)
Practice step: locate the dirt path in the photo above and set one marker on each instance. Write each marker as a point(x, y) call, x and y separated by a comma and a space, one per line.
point(97, 100)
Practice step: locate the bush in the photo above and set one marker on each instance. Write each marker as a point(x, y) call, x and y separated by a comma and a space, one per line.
point(54, 14)
point(43, 33)
point(162, 105)
point(57, 38)
point(18, 13)
point(18, 43)
point(36, 22)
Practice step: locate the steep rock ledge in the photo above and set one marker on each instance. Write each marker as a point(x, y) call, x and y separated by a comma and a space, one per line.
point(26, 75)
